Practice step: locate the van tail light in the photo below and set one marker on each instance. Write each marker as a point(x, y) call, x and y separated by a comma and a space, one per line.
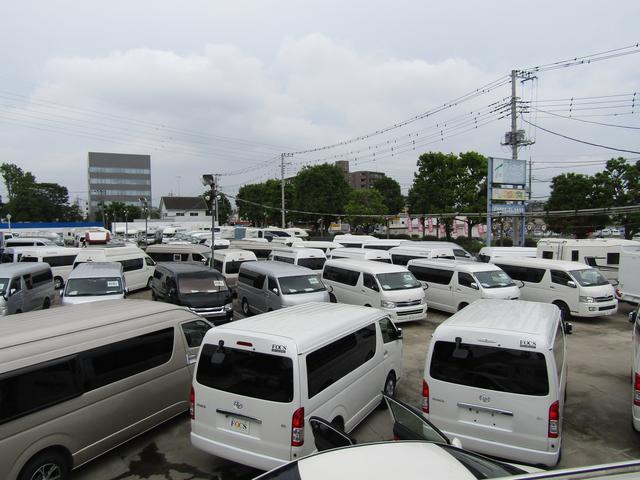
point(425, 397)
point(192, 404)
point(554, 420)
point(297, 428)
point(636, 390)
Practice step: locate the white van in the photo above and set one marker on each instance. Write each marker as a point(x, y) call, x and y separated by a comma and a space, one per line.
point(13, 254)
point(353, 241)
point(326, 247)
point(228, 262)
point(402, 254)
point(576, 288)
point(172, 252)
point(60, 259)
point(29, 242)
point(312, 258)
point(361, 254)
point(383, 244)
point(459, 252)
point(93, 282)
point(495, 378)
point(628, 288)
point(373, 284)
point(488, 254)
point(452, 285)
point(138, 267)
point(259, 380)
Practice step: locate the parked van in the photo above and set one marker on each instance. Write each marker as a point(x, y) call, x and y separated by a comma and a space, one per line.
point(312, 258)
point(266, 286)
point(401, 255)
point(495, 377)
point(326, 247)
point(25, 287)
point(260, 247)
point(452, 285)
point(77, 382)
point(13, 254)
point(173, 252)
point(137, 266)
point(259, 380)
point(361, 254)
point(628, 288)
point(353, 241)
point(29, 242)
point(459, 252)
point(575, 288)
point(228, 262)
point(201, 289)
point(391, 288)
point(383, 244)
point(94, 282)
point(60, 259)
point(488, 254)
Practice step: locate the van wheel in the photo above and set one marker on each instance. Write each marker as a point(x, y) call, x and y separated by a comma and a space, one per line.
point(149, 282)
point(367, 305)
point(18, 311)
point(46, 304)
point(462, 305)
point(389, 388)
point(57, 283)
point(46, 466)
point(565, 313)
point(332, 298)
point(246, 311)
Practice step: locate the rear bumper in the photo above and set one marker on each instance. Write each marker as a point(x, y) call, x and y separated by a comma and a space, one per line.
point(238, 455)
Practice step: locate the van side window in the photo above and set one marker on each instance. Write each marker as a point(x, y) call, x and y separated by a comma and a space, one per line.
point(41, 278)
point(388, 330)
point(161, 256)
point(369, 282)
point(431, 275)
point(37, 387)
point(197, 257)
point(245, 277)
point(341, 275)
point(133, 264)
point(460, 253)
point(15, 284)
point(558, 350)
point(330, 363)
point(149, 261)
point(465, 279)
point(525, 274)
point(157, 274)
point(60, 261)
point(28, 281)
point(258, 281)
point(113, 362)
point(575, 255)
point(548, 255)
point(194, 332)
point(273, 285)
point(279, 258)
point(613, 258)
point(560, 277)
point(217, 264)
point(401, 259)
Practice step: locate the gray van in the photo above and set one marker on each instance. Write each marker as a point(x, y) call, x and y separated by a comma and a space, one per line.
point(201, 289)
point(93, 282)
point(270, 285)
point(77, 382)
point(25, 287)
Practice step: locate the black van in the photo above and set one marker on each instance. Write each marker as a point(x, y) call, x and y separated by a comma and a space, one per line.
point(199, 288)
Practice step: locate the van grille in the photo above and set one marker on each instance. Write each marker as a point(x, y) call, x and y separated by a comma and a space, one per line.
point(409, 312)
point(408, 304)
point(604, 299)
point(608, 307)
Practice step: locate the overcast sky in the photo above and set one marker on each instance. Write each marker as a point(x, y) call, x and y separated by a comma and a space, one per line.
point(226, 86)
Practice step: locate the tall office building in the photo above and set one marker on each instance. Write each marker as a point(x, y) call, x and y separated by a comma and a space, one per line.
point(118, 177)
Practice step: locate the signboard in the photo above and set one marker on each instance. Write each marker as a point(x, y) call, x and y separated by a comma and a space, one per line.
point(509, 194)
point(508, 209)
point(513, 172)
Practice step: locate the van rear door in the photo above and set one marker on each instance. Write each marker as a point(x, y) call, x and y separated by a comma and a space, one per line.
point(490, 392)
point(246, 393)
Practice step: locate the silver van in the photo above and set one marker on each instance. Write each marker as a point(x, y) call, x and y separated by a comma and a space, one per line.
point(77, 382)
point(94, 281)
point(269, 285)
point(25, 287)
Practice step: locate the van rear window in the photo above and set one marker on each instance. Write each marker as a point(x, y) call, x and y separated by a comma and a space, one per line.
point(492, 368)
point(250, 374)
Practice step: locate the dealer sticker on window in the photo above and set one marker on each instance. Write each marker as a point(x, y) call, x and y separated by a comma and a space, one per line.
point(239, 425)
point(278, 348)
point(527, 344)
point(113, 284)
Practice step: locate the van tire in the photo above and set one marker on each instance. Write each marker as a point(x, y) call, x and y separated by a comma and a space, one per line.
point(45, 465)
point(46, 304)
point(246, 310)
point(332, 298)
point(18, 311)
point(565, 312)
point(462, 305)
point(58, 283)
point(367, 305)
point(149, 282)
point(389, 388)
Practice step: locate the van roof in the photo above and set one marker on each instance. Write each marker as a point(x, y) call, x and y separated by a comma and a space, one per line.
point(178, 247)
point(507, 317)
point(367, 266)
point(299, 251)
point(110, 251)
point(362, 252)
point(96, 270)
point(507, 250)
point(41, 251)
point(186, 267)
point(470, 267)
point(541, 263)
point(410, 248)
point(233, 252)
point(20, 268)
point(587, 241)
point(307, 325)
point(276, 269)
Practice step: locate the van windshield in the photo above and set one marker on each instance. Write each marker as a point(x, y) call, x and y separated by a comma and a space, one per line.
point(490, 368)
point(202, 282)
point(7, 258)
point(589, 277)
point(90, 287)
point(397, 281)
point(494, 279)
point(312, 263)
point(301, 284)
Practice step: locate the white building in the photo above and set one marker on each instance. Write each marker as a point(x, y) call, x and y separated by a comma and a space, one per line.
point(183, 209)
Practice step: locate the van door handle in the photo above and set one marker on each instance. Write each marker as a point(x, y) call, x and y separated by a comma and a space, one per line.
point(552, 287)
point(191, 358)
point(386, 353)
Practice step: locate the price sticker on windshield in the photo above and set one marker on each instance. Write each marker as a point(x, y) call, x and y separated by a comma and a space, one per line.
point(113, 284)
point(218, 283)
point(314, 281)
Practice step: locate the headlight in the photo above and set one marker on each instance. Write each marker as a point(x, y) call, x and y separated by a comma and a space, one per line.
point(586, 299)
point(228, 307)
point(385, 304)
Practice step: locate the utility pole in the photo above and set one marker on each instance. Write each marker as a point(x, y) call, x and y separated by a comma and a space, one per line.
point(282, 156)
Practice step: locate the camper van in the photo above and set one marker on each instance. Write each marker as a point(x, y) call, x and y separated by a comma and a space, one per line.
point(259, 380)
point(312, 258)
point(361, 254)
point(94, 282)
point(60, 259)
point(228, 262)
point(628, 288)
point(402, 254)
point(79, 381)
point(452, 285)
point(488, 254)
point(138, 267)
point(495, 378)
point(25, 287)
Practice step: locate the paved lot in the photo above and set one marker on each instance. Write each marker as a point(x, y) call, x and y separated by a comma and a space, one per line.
point(597, 423)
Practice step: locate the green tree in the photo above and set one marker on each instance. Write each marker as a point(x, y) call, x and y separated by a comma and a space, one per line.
point(365, 202)
point(15, 179)
point(320, 188)
point(224, 209)
point(471, 187)
point(391, 194)
point(260, 203)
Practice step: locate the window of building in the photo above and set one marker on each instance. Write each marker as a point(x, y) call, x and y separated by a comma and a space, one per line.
point(194, 214)
point(179, 214)
point(135, 171)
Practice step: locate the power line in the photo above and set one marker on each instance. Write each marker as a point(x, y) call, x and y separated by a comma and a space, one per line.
point(587, 121)
point(586, 60)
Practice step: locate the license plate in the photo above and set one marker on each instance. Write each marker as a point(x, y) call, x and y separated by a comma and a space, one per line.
point(239, 425)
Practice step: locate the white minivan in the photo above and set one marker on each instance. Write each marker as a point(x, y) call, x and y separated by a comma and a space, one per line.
point(402, 254)
point(228, 262)
point(60, 259)
point(258, 380)
point(361, 254)
point(452, 285)
point(94, 282)
point(312, 258)
point(391, 288)
point(495, 378)
point(575, 288)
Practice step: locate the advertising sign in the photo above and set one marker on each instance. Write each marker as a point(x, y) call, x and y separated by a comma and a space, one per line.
point(508, 209)
point(509, 194)
point(513, 172)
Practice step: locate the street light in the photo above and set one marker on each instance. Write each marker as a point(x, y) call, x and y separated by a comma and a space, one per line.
point(144, 210)
point(208, 180)
point(9, 221)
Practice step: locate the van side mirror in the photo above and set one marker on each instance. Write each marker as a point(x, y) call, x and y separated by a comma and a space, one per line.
point(425, 286)
point(519, 283)
point(456, 442)
point(614, 282)
point(275, 291)
point(172, 291)
point(475, 286)
point(571, 284)
point(632, 316)
point(567, 327)
point(12, 291)
point(398, 334)
point(61, 291)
